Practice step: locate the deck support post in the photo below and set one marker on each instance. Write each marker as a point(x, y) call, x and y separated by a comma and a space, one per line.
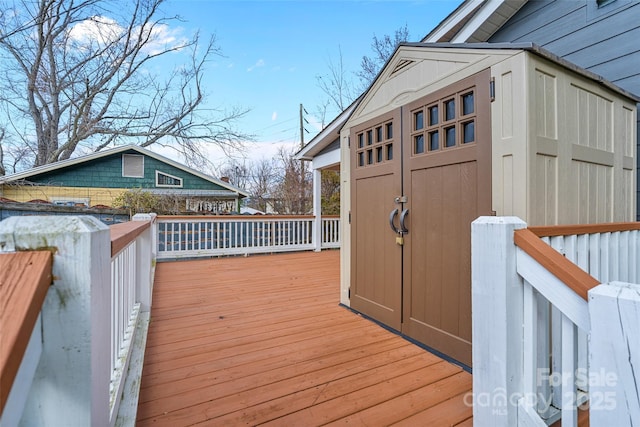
point(497, 334)
point(146, 261)
point(614, 354)
point(317, 210)
point(71, 383)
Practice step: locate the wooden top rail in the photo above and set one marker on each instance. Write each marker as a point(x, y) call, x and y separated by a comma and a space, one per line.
point(124, 233)
point(573, 276)
point(24, 280)
point(568, 230)
point(234, 217)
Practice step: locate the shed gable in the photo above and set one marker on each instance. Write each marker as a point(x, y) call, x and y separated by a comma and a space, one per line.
point(415, 71)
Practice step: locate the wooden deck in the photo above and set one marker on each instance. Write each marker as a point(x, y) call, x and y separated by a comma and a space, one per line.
point(262, 340)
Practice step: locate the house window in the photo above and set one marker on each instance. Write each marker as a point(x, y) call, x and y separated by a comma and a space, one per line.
point(601, 3)
point(601, 9)
point(132, 166)
point(166, 180)
point(70, 201)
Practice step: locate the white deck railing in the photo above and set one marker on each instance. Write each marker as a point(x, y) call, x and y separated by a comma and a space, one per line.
point(128, 299)
point(88, 371)
point(330, 232)
point(200, 236)
point(533, 310)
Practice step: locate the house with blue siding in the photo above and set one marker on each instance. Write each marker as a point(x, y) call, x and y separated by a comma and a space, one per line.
point(99, 178)
point(600, 36)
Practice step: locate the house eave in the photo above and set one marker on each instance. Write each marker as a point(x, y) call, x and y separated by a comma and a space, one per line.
point(474, 21)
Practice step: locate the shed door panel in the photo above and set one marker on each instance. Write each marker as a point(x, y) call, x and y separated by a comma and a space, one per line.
point(423, 287)
point(376, 269)
point(448, 185)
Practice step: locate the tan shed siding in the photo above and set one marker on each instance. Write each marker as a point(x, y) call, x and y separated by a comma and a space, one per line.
point(595, 119)
point(506, 97)
point(506, 171)
point(628, 194)
point(628, 131)
point(546, 104)
point(545, 148)
point(625, 159)
point(345, 231)
point(577, 158)
point(594, 190)
point(545, 200)
point(509, 130)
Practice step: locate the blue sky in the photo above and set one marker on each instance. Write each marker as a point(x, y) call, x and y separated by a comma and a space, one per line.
point(273, 51)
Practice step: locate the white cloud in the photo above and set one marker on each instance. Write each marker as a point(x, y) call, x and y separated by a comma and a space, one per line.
point(258, 64)
point(98, 29)
point(274, 116)
point(317, 124)
point(102, 30)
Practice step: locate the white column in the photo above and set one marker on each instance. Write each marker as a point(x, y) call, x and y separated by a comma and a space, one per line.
point(614, 355)
point(317, 209)
point(497, 305)
point(71, 383)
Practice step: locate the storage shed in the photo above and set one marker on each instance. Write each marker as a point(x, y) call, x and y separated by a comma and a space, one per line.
point(447, 133)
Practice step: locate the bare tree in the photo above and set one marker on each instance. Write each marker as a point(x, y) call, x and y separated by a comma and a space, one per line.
point(237, 173)
point(263, 181)
point(338, 84)
point(13, 156)
point(77, 75)
point(382, 49)
point(293, 191)
point(3, 171)
point(330, 192)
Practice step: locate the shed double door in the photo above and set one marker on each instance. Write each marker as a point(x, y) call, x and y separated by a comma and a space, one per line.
point(420, 175)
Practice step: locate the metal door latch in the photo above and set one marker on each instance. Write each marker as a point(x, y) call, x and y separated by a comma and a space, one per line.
point(401, 199)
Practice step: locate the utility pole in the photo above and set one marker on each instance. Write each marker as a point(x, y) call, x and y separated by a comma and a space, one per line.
point(301, 161)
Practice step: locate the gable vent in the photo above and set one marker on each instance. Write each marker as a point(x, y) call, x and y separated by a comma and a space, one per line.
point(402, 64)
point(133, 166)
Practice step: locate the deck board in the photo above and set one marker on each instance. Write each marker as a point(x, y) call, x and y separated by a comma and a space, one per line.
point(262, 340)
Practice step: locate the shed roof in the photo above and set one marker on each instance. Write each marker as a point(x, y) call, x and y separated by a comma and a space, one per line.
point(534, 48)
point(329, 133)
point(52, 167)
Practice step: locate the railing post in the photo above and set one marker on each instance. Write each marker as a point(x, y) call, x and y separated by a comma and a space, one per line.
point(71, 384)
point(614, 354)
point(317, 210)
point(146, 255)
point(497, 304)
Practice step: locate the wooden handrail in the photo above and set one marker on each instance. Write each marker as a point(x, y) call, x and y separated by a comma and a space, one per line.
point(568, 230)
point(234, 217)
point(124, 233)
point(24, 281)
point(570, 274)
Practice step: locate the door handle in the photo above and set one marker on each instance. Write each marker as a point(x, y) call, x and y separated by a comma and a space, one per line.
point(392, 216)
point(403, 216)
